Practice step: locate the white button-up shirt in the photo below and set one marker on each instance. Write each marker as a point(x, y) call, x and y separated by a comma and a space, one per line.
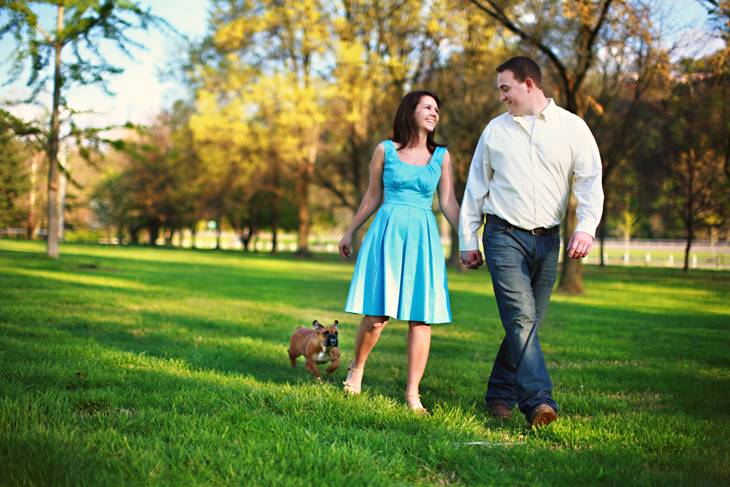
point(524, 177)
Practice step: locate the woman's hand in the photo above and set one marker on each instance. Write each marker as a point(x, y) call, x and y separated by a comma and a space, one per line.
point(345, 245)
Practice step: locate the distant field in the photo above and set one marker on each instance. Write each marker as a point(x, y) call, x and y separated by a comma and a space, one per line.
point(133, 365)
point(644, 253)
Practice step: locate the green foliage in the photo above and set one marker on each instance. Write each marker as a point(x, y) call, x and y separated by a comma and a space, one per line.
point(14, 180)
point(696, 148)
point(170, 367)
point(159, 185)
point(83, 236)
point(86, 24)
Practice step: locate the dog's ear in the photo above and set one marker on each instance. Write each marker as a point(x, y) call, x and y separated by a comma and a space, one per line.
point(317, 325)
point(335, 326)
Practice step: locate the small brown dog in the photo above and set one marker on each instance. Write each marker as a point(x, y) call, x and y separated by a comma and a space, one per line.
point(318, 345)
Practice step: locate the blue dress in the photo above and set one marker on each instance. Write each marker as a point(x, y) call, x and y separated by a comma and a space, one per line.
point(400, 271)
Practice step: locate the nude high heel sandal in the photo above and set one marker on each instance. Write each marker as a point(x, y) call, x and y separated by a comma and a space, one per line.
point(353, 382)
point(414, 404)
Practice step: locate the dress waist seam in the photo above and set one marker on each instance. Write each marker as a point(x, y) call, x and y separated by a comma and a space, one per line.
point(399, 203)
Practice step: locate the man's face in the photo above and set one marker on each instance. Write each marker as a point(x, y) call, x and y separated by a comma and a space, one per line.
point(511, 92)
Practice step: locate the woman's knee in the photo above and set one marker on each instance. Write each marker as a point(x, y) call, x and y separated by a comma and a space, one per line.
point(375, 322)
point(416, 324)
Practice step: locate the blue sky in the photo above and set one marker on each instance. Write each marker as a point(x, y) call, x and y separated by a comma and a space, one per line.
point(141, 93)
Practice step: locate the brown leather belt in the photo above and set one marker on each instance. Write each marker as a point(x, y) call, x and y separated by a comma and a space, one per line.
point(493, 219)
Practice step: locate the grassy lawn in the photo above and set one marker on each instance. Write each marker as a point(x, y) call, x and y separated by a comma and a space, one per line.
point(124, 366)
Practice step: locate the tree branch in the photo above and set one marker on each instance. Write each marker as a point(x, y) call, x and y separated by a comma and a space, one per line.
point(588, 47)
point(499, 15)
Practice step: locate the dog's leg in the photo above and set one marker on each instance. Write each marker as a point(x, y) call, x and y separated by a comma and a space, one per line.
point(313, 368)
point(335, 355)
point(293, 357)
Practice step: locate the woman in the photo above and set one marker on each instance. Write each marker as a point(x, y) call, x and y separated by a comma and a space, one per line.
point(400, 270)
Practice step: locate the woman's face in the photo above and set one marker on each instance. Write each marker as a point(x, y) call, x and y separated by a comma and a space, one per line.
point(426, 114)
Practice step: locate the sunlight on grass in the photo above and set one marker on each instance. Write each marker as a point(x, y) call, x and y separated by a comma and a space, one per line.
point(160, 366)
point(87, 280)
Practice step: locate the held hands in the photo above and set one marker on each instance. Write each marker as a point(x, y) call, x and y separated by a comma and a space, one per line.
point(345, 245)
point(579, 246)
point(471, 259)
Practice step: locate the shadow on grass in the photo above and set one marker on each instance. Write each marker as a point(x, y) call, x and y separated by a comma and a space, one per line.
point(615, 348)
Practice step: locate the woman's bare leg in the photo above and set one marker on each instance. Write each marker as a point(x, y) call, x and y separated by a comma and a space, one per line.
point(368, 335)
point(419, 344)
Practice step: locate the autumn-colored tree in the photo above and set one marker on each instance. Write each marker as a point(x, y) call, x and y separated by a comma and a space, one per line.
point(379, 49)
point(466, 81)
point(694, 145)
point(277, 46)
point(624, 95)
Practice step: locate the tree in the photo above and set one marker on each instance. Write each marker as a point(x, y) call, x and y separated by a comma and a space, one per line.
point(19, 142)
point(627, 225)
point(461, 80)
point(81, 25)
point(379, 50)
point(283, 43)
point(625, 95)
point(159, 188)
point(697, 185)
point(13, 180)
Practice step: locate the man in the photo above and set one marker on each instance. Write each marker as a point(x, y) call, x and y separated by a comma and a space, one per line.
point(519, 182)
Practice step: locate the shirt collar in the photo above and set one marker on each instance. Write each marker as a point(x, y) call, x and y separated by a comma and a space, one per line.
point(548, 111)
point(544, 114)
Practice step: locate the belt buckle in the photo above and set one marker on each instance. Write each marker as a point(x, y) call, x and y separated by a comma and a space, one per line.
point(539, 231)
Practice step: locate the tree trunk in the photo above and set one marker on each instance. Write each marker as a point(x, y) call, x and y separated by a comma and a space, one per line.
point(169, 233)
point(154, 229)
point(62, 185)
point(246, 236)
point(688, 213)
point(134, 235)
point(193, 232)
point(52, 247)
point(688, 247)
point(30, 230)
point(571, 274)
point(305, 217)
point(275, 182)
point(218, 221)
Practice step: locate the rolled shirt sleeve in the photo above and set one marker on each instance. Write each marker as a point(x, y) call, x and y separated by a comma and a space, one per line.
point(477, 188)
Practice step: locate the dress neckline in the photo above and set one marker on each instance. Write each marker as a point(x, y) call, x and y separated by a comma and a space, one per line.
point(408, 163)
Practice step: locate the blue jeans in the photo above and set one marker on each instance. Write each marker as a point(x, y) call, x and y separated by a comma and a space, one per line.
point(523, 268)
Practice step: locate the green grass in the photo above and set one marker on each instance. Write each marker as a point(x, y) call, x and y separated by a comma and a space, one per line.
point(124, 366)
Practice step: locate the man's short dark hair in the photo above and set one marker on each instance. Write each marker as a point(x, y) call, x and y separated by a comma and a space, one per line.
point(523, 67)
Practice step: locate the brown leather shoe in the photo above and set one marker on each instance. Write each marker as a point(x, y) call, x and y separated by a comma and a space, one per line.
point(500, 410)
point(543, 415)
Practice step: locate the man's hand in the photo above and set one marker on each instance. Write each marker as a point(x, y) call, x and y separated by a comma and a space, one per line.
point(579, 246)
point(471, 259)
